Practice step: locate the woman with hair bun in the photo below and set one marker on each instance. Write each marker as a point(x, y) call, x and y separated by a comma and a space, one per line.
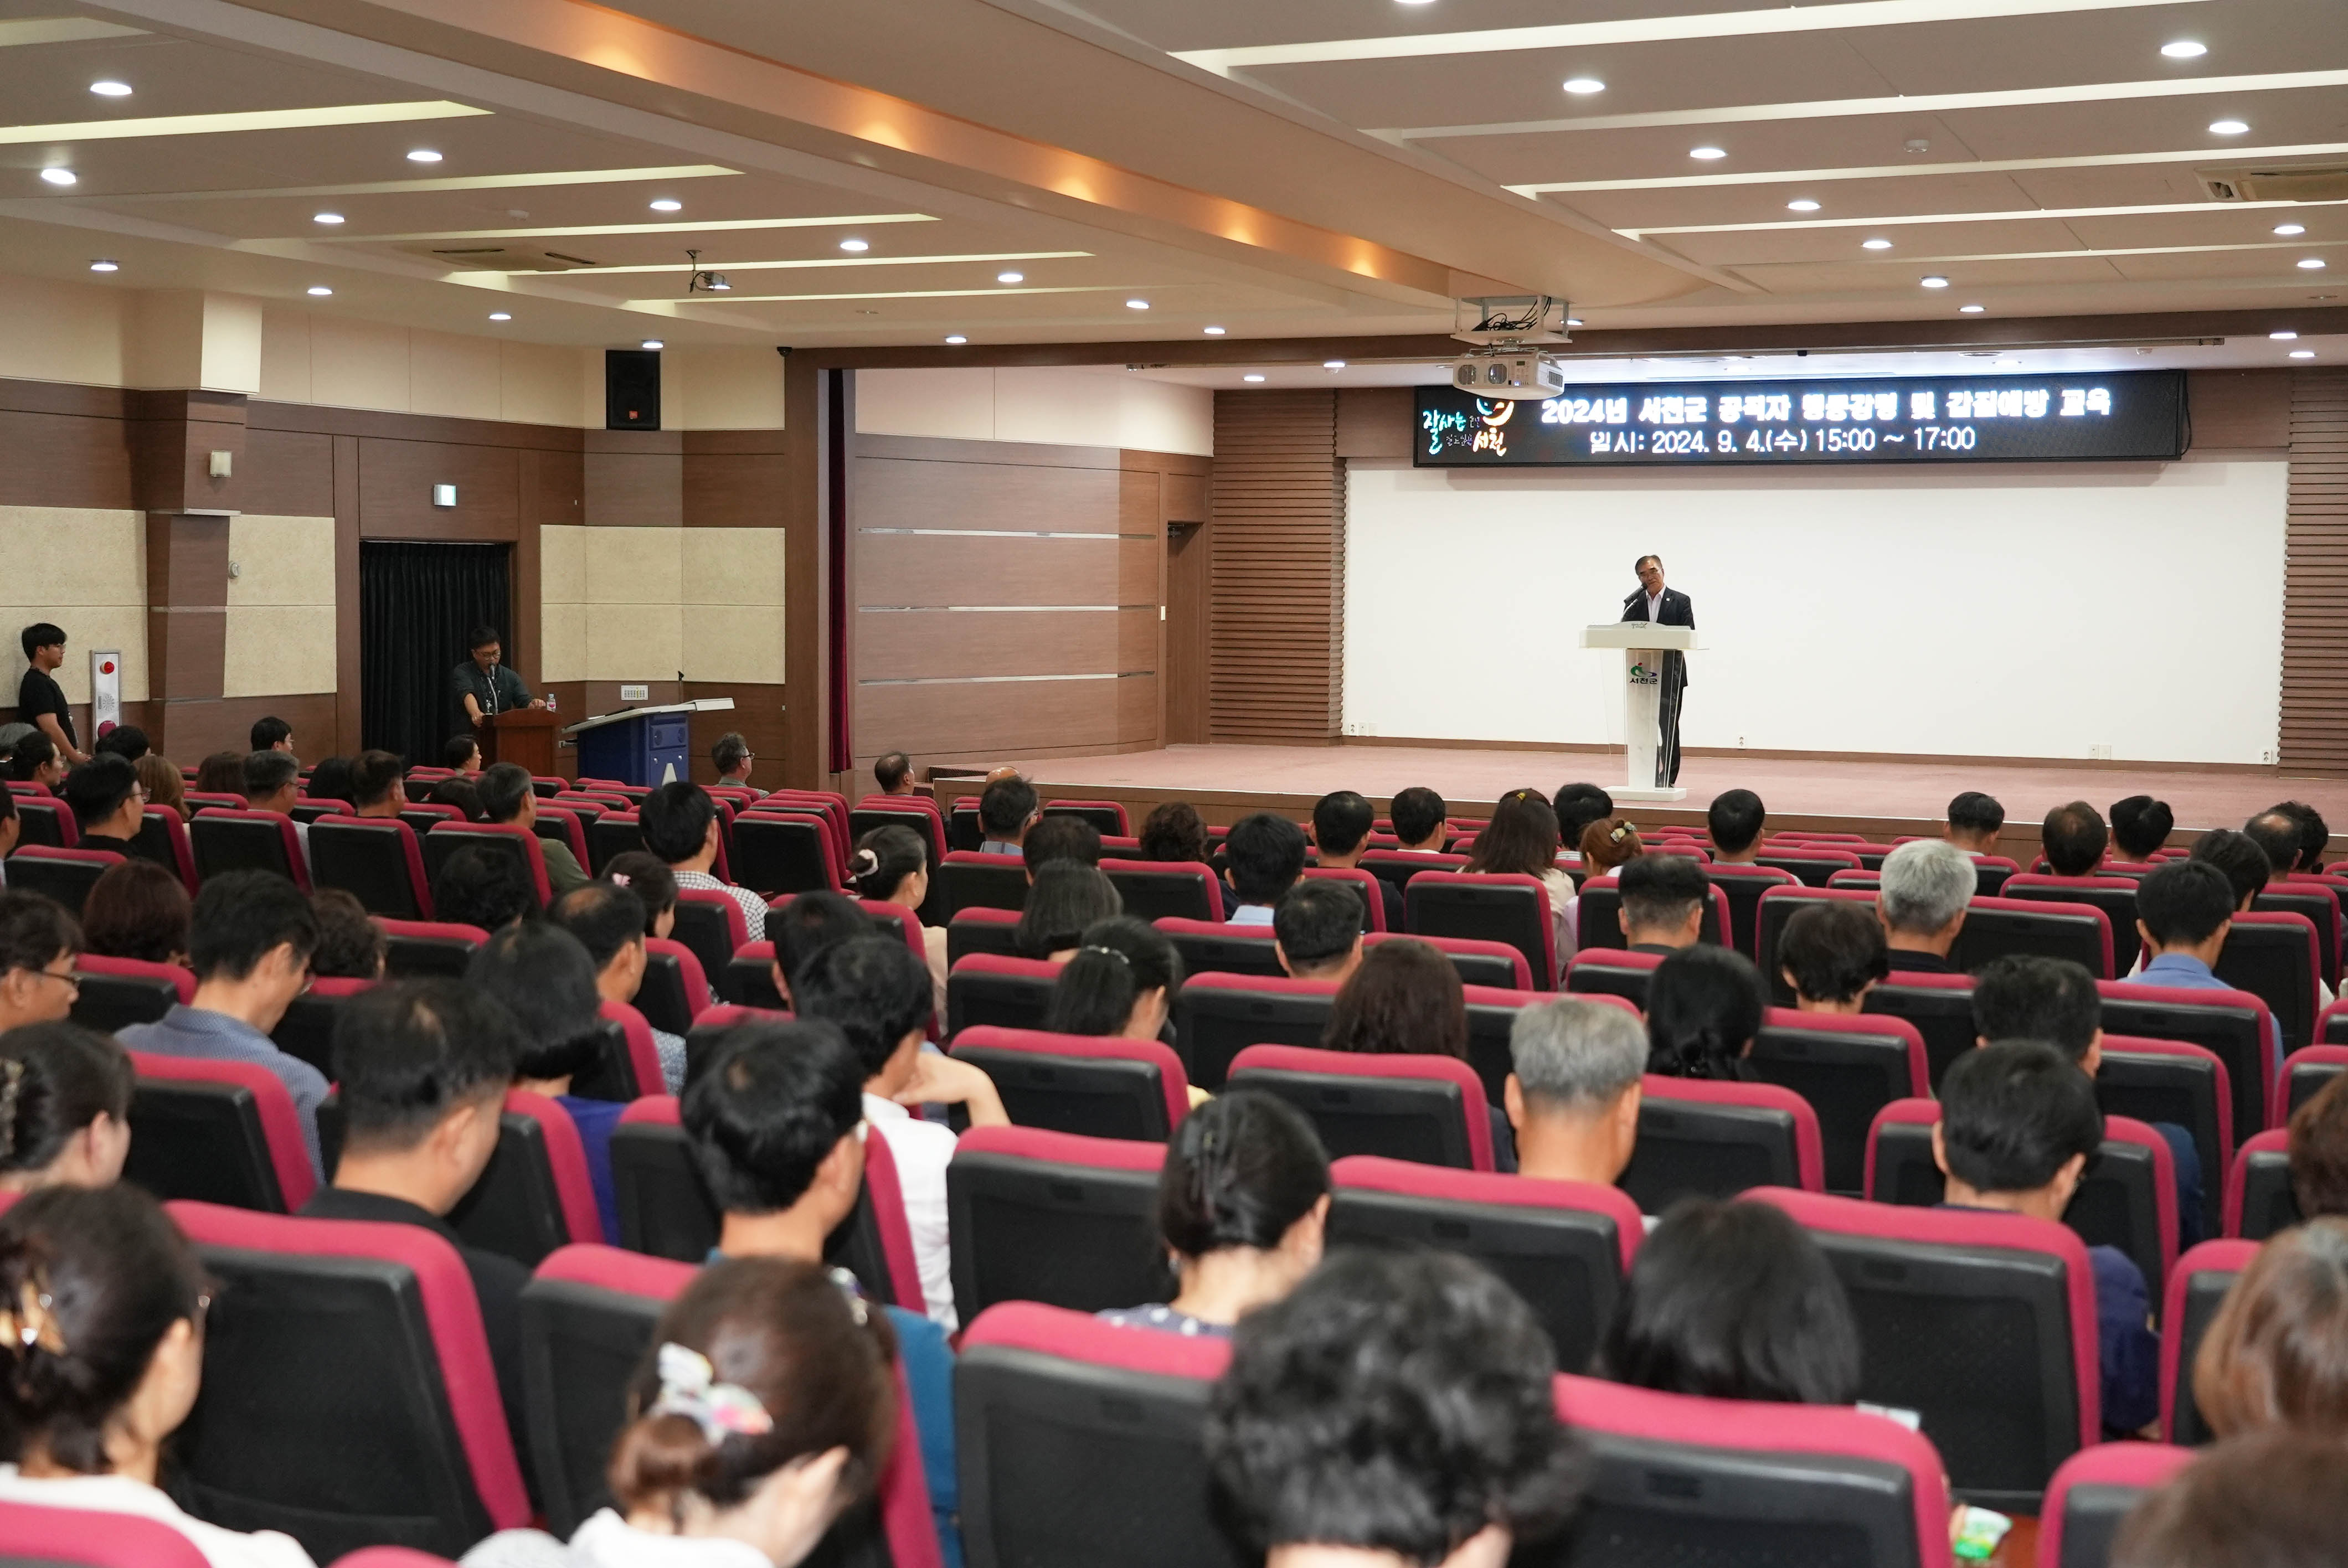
point(102, 1310)
point(65, 1104)
point(1121, 981)
point(1703, 1007)
point(764, 1410)
point(1242, 1204)
point(891, 866)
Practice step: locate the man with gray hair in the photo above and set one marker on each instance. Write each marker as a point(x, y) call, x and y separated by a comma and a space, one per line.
point(1573, 1098)
point(1926, 887)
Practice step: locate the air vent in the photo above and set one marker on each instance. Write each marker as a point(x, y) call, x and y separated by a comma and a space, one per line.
point(570, 260)
point(2309, 182)
point(474, 251)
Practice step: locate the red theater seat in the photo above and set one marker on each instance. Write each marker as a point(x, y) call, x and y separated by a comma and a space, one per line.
point(217, 1131)
point(376, 860)
point(1054, 1217)
point(64, 875)
point(2259, 1200)
point(1702, 1138)
point(1848, 1069)
point(1430, 1109)
point(119, 991)
point(1102, 1087)
point(2197, 1289)
point(1152, 889)
point(2092, 1494)
point(511, 840)
point(988, 987)
point(1498, 908)
point(417, 947)
point(38, 1537)
point(242, 840)
point(1218, 1016)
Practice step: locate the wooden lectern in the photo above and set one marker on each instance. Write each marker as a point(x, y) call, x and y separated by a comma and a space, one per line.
point(524, 735)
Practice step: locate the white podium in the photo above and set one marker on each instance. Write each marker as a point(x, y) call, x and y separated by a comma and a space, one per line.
point(1643, 644)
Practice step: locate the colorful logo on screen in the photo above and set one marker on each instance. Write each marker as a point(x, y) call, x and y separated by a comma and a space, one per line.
point(1644, 675)
point(1450, 429)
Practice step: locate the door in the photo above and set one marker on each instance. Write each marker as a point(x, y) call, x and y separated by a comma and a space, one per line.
point(418, 603)
point(1190, 576)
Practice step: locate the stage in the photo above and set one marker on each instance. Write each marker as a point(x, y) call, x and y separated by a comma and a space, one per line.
point(1868, 795)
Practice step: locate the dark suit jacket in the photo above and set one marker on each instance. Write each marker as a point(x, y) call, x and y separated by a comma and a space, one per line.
point(1677, 610)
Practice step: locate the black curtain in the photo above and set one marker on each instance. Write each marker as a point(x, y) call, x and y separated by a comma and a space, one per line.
point(417, 603)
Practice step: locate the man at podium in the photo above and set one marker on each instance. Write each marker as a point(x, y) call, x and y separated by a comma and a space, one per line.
point(482, 688)
point(1663, 607)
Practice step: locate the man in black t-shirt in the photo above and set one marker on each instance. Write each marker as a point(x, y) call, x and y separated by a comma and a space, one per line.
point(40, 700)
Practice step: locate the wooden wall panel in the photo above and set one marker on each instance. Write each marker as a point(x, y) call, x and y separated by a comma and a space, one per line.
point(2240, 408)
point(916, 644)
point(929, 570)
point(1002, 718)
point(1186, 498)
point(2315, 579)
point(287, 474)
point(51, 459)
point(634, 479)
point(1375, 421)
point(1278, 566)
point(757, 718)
point(998, 496)
point(733, 478)
point(396, 480)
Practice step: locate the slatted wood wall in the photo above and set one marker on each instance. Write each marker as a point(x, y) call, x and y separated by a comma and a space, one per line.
point(1279, 502)
point(2315, 583)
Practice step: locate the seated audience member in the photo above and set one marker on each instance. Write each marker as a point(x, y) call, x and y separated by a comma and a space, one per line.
point(1421, 820)
point(2055, 1002)
point(680, 826)
point(2184, 912)
point(272, 735)
point(102, 1306)
point(1007, 808)
point(378, 783)
point(1395, 1409)
point(1737, 819)
point(222, 773)
point(1242, 1201)
point(34, 760)
point(877, 994)
point(1057, 838)
point(777, 1124)
point(273, 782)
point(127, 741)
point(805, 927)
point(1316, 930)
point(891, 866)
point(893, 770)
point(461, 754)
point(351, 945)
point(2319, 1152)
point(1174, 831)
point(331, 780)
point(460, 792)
point(66, 1090)
point(2074, 837)
point(2272, 1499)
point(1974, 822)
point(103, 793)
point(1121, 982)
point(160, 777)
point(1405, 999)
point(1664, 900)
point(543, 974)
point(1521, 840)
point(482, 887)
point(2018, 1125)
point(648, 877)
point(2237, 854)
point(2315, 837)
point(1926, 887)
point(39, 943)
point(136, 911)
point(732, 758)
point(1267, 855)
point(422, 1068)
point(609, 924)
point(2276, 834)
point(506, 797)
point(764, 1410)
point(1577, 807)
point(1609, 844)
point(1572, 1093)
point(2277, 1352)
point(250, 938)
point(1067, 897)
point(2140, 826)
point(1705, 1005)
point(1832, 954)
point(1341, 831)
point(1733, 1301)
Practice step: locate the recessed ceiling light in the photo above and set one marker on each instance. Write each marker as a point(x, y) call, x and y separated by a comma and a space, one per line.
point(957, 337)
point(320, 291)
point(2311, 264)
point(423, 155)
point(1010, 277)
point(1144, 304)
point(2302, 353)
point(1214, 331)
point(501, 315)
point(1579, 84)
point(105, 266)
point(110, 89)
point(2228, 127)
point(1875, 244)
point(856, 244)
point(652, 342)
point(2184, 49)
point(1413, 2)
point(1970, 310)
point(325, 218)
point(1935, 281)
point(58, 176)
point(1801, 204)
point(1333, 364)
point(2288, 230)
point(1251, 376)
point(2282, 336)
point(668, 204)
point(1707, 153)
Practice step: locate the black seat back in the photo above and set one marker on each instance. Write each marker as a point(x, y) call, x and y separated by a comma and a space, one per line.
point(663, 1207)
point(1067, 1235)
point(1847, 1076)
point(2204, 1293)
point(514, 1206)
point(581, 1345)
point(2303, 1081)
point(368, 859)
point(618, 833)
point(2323, 911)
point(1994, 929)
point(662, 997)
point(2114, 897)
point(2273, 963)
point(239, 843)
point(1943, 1015)
point(1424, 1120)
point(1099, 1097)
point(193, 1138)
point(1150, 893)
point(2230, 1031)
point(704, 929)
point(1606, 971)
point(407, 955)
point(1490, 911)
point(1213, 1024)
point(307, 1030)
point(2182, 1090)
point(66, 881)
point(996, 882)
point(1698, 1149)
point(975, 996)
point(109, 1002)
point(1742, 886)
point(1227, 950)
point(2269, 1203)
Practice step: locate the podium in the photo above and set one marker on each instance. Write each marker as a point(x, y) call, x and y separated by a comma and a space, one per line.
point(645, 746)
point(524, 735)
point(1643, 644)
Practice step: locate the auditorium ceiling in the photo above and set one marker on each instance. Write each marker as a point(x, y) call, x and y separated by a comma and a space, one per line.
point(901, 172)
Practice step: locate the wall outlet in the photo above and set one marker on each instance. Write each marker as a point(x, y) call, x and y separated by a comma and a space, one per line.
point(2102, 754)
point(1740, 742)
point(635, 694)
point(1358, 727)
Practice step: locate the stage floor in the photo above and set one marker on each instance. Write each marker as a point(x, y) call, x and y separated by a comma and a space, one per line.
point(1886, 790)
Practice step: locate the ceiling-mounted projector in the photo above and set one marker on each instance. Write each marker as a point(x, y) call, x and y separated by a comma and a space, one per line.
point(1510, 375)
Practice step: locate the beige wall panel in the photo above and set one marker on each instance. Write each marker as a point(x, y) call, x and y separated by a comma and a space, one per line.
point(454, 376)
point(562, 642)
point(722, 388)
point(358, 364)
point(163, 339)
point(282, 561)
point(900, 492)
point(1004, 717)
point(284, 354)
point(538, 385)
point(232, 344)
point(1137, 708)
point(733, 566)
point(62, 332)
point(637, 566)
point(72, 555)
point(88, 626)
point(958, 405)
point(274, 649)
point(732, 642)
point(562, 565)
point(906, 645)
point(1165, 417)
point(1059, 407)
point(633, 643)
point(896, 568)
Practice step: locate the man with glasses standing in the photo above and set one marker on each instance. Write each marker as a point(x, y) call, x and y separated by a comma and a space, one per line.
point(482, 688)
point(249, 941)
point(38, 944)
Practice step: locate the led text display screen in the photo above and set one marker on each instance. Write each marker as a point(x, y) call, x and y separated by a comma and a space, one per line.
point(2126, 415)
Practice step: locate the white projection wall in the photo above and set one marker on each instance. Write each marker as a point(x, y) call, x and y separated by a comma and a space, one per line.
point(2030, 611)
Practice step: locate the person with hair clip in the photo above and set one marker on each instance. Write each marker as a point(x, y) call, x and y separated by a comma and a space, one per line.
point(1607, 846)
point(1703, 1007)
point(102, 1306)
point(1243, 1206)
point(891, 866)
point(647, 876)
point(1521, 840)
point(65, 1107)
point(1121, 981)
point(1067, 898)
point(764, 1410)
